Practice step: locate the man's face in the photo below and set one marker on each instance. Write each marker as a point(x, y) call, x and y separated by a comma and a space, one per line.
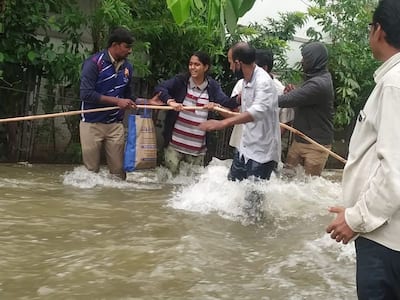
point(235, 66)
point(232, 64)
point(122, 50)
point(374, 32)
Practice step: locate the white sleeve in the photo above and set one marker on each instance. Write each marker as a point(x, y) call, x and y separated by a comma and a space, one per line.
point(381, 197)
point(237, 89)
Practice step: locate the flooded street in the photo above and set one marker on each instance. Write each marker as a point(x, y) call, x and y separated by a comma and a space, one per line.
point(68, 234)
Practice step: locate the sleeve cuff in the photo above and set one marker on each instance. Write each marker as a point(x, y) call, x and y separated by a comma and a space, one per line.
point(354, 219)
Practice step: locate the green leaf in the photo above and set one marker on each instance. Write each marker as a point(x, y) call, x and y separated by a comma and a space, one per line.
point(180, 10)
point(234, 9)
point(245, 6)
point(51, 56)
point(32, 56)
point(1, 57)
point(231, 16)
point(198, 4)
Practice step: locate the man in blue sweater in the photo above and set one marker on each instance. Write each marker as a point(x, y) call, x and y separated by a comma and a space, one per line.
point(105, 82)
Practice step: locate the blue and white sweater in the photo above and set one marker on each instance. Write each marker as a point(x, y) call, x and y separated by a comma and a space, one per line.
point(98, 78)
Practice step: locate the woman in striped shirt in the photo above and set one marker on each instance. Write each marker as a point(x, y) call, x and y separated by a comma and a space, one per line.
point(183, 140)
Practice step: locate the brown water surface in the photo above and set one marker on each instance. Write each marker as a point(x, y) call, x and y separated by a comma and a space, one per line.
point(164, 240)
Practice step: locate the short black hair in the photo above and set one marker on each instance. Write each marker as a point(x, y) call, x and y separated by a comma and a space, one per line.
point(265, 57)
point(387, 14)
point(244, 52)
point(120, 35)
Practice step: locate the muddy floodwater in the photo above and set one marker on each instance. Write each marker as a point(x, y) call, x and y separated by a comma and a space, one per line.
point(66, 233)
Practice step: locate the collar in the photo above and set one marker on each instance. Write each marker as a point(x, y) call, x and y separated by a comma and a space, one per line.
point(111, 57)
point(256, 69)
point(117, 64)
point(200, 87)
point(386, 66)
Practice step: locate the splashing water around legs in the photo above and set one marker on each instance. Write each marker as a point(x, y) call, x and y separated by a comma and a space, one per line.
point(253, 206)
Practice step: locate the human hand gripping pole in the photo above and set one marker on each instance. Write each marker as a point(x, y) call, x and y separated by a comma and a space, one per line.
point(297, 132)
point(163, 107)
point(78, 112)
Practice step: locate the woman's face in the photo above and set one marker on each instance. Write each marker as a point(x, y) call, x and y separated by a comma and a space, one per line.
point(196, 68)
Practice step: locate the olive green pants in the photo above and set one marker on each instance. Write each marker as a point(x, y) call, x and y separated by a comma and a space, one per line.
point(173, 159)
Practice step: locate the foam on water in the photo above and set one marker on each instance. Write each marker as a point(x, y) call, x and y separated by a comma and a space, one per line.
point(295, 212)
point(321, 258)
point(299, 197)
point(80, 177)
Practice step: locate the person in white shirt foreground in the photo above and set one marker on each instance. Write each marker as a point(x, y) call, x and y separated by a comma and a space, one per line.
point(371, 178)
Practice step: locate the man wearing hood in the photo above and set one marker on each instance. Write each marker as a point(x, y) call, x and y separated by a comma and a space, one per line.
point(313, 104)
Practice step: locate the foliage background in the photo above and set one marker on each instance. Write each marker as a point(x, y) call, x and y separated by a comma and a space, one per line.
point(42, 48)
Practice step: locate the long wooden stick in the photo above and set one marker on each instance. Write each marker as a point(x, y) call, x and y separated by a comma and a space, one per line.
point(297, 132)
point(308, 139)
point(164, 107)
point(78, 112)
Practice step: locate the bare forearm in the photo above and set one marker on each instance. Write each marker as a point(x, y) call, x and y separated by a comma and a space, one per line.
point(241, 118)
point(121, 102)
point(221, 124)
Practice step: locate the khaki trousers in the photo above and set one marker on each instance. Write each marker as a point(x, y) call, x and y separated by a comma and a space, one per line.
point(94, 136)
point(312, 158)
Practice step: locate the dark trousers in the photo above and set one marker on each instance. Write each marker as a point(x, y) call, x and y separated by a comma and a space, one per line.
point(241, 170)
point(378, 271)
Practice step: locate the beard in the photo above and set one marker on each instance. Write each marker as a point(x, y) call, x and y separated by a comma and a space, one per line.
point(238, 74)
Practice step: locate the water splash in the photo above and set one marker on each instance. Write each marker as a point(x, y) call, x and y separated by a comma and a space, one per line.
point(81, 178)
point(284, 199)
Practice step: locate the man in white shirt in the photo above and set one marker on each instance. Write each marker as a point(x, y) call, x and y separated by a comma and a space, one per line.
point(265, 60)
point(260, 146)
point(371, 178)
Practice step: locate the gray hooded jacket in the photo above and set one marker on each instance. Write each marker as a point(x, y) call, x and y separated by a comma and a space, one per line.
point(313, 100)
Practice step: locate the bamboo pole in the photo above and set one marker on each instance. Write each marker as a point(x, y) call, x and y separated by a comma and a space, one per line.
point(297, 132)
point(78, 112)
point(302, 135)
point(165, 107)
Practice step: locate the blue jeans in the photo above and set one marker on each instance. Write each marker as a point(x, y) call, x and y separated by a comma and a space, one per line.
point(378, 271)
point(241, 170)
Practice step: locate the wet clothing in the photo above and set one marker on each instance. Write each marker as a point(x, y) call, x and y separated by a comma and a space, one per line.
point(173, 159)
point(371, 177)
point(176, 88)
point(94, 136)
point(99, 77)
point(242, 169)
point(313, 100)
point(308, 155)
